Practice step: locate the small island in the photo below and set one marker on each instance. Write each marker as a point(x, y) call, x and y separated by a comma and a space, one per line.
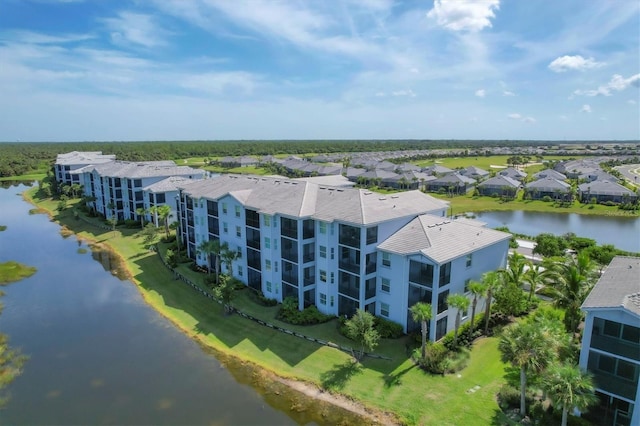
point(13, 271)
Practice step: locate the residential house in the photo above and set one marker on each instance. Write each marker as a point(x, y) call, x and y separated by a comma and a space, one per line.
point(453, 183)
point(512, 173)
point(475, 173)
point(499, 186)
point(548, 187)
point(321, 244)
point(604, 191)
point(549, 173)
point(611, 343)
point(437, 170)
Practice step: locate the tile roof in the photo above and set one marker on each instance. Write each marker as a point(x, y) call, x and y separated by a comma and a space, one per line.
point(441, 239)
point(299, 198)
point(84, 157)
point(165, 185)
point(618, 287)
point(143, 169)
point(499, 181)
point(603, 187)
point(549, 173)
point(549, 184)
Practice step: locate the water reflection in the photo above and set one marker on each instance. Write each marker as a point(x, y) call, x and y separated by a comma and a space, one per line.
point(111, 262)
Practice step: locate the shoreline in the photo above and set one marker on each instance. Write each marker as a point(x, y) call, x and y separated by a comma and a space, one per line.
point(289, 390)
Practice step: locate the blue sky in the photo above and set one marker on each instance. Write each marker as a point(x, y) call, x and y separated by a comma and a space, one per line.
point(73, 70)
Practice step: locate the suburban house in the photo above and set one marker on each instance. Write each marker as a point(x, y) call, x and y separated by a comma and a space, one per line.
point(611, 343)
point(549, 173)
point(451, 183)
point(548, 187)
point(340, 249)
point(437, 170)
point(475, 173)
point(512, 173)
point(499, 185)
point(72, 161)
point(603, 191)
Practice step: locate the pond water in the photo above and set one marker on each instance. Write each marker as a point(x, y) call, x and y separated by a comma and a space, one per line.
point(98, 353)
point(622, 232)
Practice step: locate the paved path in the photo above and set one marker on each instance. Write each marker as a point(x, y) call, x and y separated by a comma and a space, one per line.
point(631, 172)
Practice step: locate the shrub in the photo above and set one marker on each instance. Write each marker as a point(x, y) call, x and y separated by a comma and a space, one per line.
point(546, 199)
point(261, 299)
point(130, 223)
point(289, 313)
point(172, 258)
point(388, 329)
point(436, 358)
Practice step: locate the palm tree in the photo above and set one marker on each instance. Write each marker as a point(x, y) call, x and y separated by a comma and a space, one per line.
point(460, 303)
point(142, 212)
point(525, 347)
point(569, 387)
point(516, 269)
point(207, 248)
point(535, 276)
point(228, 256)
point(421, 312)
point(162, 212)
point(477, 289)
point(492, 281)
point(572, 283)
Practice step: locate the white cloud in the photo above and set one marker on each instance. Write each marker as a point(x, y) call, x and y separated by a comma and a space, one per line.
point(577, 63)
point(586, 108)
point(135, 28)
point(408, 93)
point(617, 83)
point(520, 117)
point(508, 93)
point(380, 94)
point(219, 82)
point(481, 93)
point(460, 15)
point(631, 102)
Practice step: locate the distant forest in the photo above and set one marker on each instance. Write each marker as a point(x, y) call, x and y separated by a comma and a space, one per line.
point(27, 157)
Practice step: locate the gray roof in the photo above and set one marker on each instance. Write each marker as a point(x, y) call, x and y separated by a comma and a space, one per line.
point(513, 173)
point(603, 187)
point(84, 157)
point(328, 180)
point(618, 287)
point(454, 178)
point(549, 173)
point(298, 198)
point(549, 184)
point(143, 169)
point(437, 169)
point(441, 239)
point(171, 183)
point(498, 181)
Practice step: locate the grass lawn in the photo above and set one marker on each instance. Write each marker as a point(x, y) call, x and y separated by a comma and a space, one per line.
point(12, 271)
point(482, 162)
point(31, 176)
point(395, 386)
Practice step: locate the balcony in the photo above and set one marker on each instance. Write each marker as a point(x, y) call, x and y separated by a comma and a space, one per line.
point(616, 346)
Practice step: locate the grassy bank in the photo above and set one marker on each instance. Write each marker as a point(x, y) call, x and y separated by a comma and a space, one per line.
point(395, 386)
point(12, 271)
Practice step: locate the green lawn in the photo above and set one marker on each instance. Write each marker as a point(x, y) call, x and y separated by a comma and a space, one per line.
point(395, 386)
point(483, 162)
point(30, 176)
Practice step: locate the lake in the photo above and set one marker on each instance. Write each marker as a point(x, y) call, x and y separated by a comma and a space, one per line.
point(622, 232)
point(98, 353)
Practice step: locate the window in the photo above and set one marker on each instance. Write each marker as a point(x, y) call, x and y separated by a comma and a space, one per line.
point(323, 299)
point(239, 253)
point(224, 208)
point(332, 253)
point(238, 232)
point(466, 285)
point(611, 329)
point(626, 370)
point(269, 286)
point(267, 220)
point(469, 259)
point(331, 301)
point(332, 278)
point(384, 309)
point(322, 227)
point(267, 242)
point(239, 270)
point(275, 266)
point(442, 301)
point(631, 334)
point(267, 265)
point(225, 228)
point(323, 252)
point(275, 244)
point(385, 285)
point(441, 327)
point(607, 363)
point(323, 276)
point(421, 273)
point(237, 211)
point(386, 259)
point(445, 274)
point(372, 235)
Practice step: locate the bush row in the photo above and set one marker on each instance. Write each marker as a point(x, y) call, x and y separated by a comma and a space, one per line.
point(290, 314)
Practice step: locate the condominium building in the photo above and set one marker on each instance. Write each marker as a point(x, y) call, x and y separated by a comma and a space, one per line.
point(71, 161)
point(340, 249)
point(120, 188)
point(611, 342)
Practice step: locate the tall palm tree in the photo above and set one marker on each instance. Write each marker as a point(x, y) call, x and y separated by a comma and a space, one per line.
point(492, 281)
point(421, 312)
point(460, 303)
point(535, 276)
point(525, 347)
point(478, 290)
point(228, 256)
point(569, 387)
point(208, 248)
point(142, 212)
point(516, 270)
point(162, 213)
point(572, 283)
